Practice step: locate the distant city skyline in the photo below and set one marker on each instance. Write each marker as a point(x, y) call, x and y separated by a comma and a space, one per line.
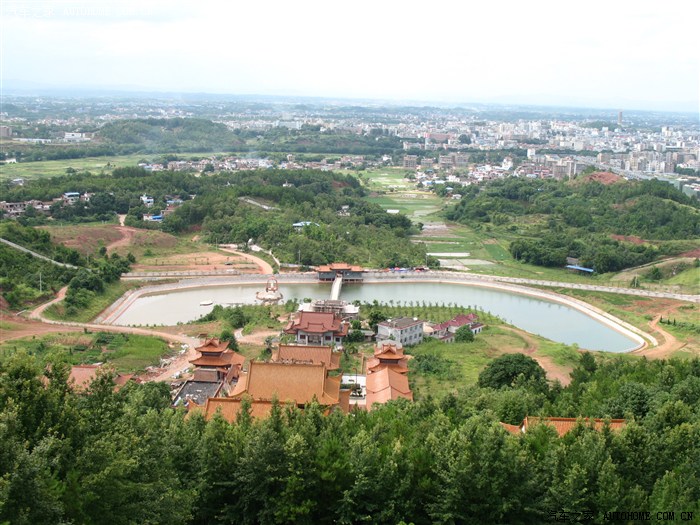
point(625, 55)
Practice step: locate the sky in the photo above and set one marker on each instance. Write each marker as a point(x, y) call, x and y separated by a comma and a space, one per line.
point(610, 54)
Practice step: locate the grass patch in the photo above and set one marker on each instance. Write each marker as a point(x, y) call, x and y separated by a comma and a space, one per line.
point(689, 279)
point(126, 352)
point(6, 325)
point(95, 165)
point(561, 354)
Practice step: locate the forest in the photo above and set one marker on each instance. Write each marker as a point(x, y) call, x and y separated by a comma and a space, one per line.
point(343, 226)
point(579, 219)
point(125, 456)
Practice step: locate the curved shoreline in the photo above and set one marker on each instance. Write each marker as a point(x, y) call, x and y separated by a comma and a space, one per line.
point(638, 336)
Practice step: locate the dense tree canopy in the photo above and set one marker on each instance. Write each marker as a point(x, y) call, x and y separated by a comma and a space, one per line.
point(579, 219)
point(126, 457)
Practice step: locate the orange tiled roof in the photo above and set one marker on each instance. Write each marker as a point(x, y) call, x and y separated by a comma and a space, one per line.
point(298, 383)
point(385, 385)
point(513, 429)
point(375, 365)
point(564, 425)
point(230, 408)
point(317, 323)
point(212, 346)
point(308, 354)
point(82, 375)
point(226, 359)
point(339, 266)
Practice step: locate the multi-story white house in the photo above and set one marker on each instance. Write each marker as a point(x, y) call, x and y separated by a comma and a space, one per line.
point(405, 330)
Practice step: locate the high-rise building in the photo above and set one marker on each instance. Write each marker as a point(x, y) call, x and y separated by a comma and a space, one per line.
point(410, 161)
point(619, 118)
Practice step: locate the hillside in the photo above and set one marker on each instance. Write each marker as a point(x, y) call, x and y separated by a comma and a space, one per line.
point(433, 461)
point(586, 220)
point(169, 135)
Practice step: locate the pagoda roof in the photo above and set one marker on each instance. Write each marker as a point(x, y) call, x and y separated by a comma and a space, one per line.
point(226, 359)
point(375, 365)
point(213, 345)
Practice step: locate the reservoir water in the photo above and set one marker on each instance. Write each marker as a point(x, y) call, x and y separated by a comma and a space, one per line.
point(549, 319)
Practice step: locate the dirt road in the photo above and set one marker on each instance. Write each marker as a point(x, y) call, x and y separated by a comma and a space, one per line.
point(553, 371)
point(40, 325)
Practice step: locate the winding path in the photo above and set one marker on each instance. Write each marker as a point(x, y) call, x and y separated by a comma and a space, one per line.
point(180, 363)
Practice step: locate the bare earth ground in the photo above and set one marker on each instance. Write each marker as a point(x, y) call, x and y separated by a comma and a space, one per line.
point(128, 236)
point(670, 343)
point(199, 261)
point(554, 371)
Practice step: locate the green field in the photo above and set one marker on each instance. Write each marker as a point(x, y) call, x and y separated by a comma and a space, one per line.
point(688, 279)
point(126, 352)
point(96, 165)
point(464, 361)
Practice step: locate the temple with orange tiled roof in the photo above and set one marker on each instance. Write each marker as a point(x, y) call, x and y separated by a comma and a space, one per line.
point(564, 425)
point(386, 385)
point(350, 273)
point(217, 362)
point(307, 354)
point(294, 383)
point(388, 354)
point(317, 328)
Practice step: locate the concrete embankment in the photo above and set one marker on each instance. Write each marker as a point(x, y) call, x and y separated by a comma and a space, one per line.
point(640, 337)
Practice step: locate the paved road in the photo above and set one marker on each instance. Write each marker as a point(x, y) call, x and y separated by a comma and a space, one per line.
point(34, 254)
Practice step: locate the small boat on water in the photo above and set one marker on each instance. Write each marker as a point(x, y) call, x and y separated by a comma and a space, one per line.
point(206, 303)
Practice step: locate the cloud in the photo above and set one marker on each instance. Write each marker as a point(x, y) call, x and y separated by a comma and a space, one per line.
point(448, 50)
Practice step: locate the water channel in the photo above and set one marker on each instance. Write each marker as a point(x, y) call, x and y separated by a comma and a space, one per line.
point(552, 320)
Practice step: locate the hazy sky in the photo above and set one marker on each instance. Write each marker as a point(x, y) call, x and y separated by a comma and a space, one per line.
point(603, 53)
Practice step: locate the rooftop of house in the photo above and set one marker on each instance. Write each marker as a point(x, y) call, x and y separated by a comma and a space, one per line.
point(196, 391)
point(317, 323)
point(82, 375)
point(339, 267)
point(401, 322)
point(288, 382)
point(307, 354)
point(457, 321)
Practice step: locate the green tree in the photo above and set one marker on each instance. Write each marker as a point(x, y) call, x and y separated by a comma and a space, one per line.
point(228, 336)
point(506, 369)
point(464, 334)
